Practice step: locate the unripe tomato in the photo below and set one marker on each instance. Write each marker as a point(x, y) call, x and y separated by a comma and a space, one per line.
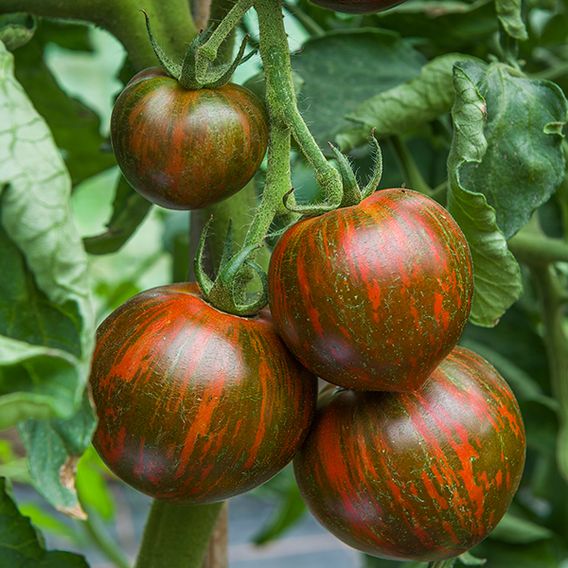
point(186, 149)
point(194, 404)
point(357, 6)
point(374, 296)
point(416, 476)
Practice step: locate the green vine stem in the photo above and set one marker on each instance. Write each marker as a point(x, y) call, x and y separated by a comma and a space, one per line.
point(173, 26)
point(282, 104)
point(410, 170)
point(540, 253)
point(554, 301)
point(177, 536)
point(100, 538)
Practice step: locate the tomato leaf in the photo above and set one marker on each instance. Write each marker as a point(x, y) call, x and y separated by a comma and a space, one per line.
point(515, 529)
point(522, 163)
point(21, 545)
point(47, 330)
point(497, 275)
point(74, 126)
point(509, 14)
point(404, 107)
point(129, 209)
point(346, 54)
point(290, 510)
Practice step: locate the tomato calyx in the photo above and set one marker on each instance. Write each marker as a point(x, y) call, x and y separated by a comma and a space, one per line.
point(352, 193)
point(198, 69)
point(227, 291)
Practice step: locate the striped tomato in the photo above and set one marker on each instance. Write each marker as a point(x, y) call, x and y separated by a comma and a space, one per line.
point(187, 149)
point(195, 405)
point(357, 6)
point(418, 476)
point(373, 296)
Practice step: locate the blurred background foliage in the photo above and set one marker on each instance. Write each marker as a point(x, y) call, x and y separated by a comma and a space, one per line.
point(72, 72)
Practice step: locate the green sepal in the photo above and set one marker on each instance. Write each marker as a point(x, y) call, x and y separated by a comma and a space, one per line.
point(204, 282)
point(197, 73)
point(172, 68)
point(377, 173)
point(351, 190)
point(228, 285)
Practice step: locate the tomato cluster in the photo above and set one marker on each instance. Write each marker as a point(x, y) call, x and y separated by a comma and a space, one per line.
point(420, 452)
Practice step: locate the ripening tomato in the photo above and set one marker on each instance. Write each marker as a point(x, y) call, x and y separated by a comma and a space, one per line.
point(374, 296)
point(186, 149)
point(195, 405)
point(416, 476)
point(357, 6)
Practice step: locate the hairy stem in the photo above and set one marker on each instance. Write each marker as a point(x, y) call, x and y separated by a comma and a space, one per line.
point(173, 26)
point(281, 100)
point(177, 536)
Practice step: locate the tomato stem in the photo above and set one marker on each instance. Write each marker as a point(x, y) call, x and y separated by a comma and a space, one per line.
point(173, 27)
point(283, 108)
point(177, 536)
point(410, 170)
point(554, 302)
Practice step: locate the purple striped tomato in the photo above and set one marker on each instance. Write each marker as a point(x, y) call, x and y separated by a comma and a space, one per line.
point(195, 405)
point(374, 296)
point(416, 476)
point(186, 149)
point(357, 6)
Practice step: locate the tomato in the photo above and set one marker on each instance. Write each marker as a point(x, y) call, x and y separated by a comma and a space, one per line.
point(186, 149)
point(357, 6)
point(373, 296)
point(416, 476)
point(195, 405)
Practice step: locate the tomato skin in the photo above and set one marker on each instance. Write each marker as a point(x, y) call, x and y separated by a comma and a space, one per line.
point(416, 476)
point(374, 296)
point(357, 6)
point(195, 405)
point(187, 149)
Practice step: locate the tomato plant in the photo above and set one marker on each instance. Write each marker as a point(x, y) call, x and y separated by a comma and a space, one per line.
point(195, 405)
point(373, 296)
point(186, 149)
point(200, 393)
point(416, 476)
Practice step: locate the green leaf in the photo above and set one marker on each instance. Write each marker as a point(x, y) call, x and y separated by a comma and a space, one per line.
point(514, 529)
point(405, 107)
point(346, 54)
point(509, 14)
point(22, 547)
point(53, 448)
point(92, 487)
point(47, 328)
point(446, 25)
point(497, 275)
point(74, 126)
point(523, 163)
point(129, 209)
point(16, 29)
point(47, 522)
point(290, 510)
